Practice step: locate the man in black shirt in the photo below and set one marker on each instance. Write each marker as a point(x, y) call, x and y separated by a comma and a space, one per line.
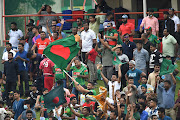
point(33, 94)
point(146, 42)
point(11, 73)
point(10, 100)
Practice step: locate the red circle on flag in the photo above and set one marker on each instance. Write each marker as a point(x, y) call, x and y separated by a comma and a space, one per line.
point(56, 100)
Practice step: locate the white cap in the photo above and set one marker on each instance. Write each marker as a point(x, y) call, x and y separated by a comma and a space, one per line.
point(132, 62)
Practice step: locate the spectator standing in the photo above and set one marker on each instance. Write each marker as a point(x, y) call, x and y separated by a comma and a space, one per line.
point(177, 106)
point(168, 23)
point(88, 37)
point(151, 21)
point(109, 19)
point(5, 54)
point(141, 57)
point(107, 58)
point(94, 23)
point(11, 74)
point(21, 58)
point(152, 76)
point(152, 38)
point(41, 43)
point(91, 63)
point(146, 42)
point(128, 47)
point(155, 57)
point(36, 36)
point(134, 73)
point(175, 18)
point(80, 73)
point(99, 9)
point(170, 45)
point(29, 33)
point(80, 25)
point(47, 66)
point(26, 45)
point(74, 32)
point(153, 108)
point(127, 27)
point(46, 10)
point(168, 96)
point(14, 34)
point(18, 105)
point(111, 35)
point(10, 100)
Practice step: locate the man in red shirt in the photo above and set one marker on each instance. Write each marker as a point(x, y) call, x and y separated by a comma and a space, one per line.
point(47, 66)
point(126, 27)
point(41, 43)
point(88, 102)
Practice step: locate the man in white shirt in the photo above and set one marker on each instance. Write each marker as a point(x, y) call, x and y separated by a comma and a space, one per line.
point(14, 34)
point(175, 19)
point(115, 82)
point(88, 37)
point(5, 54)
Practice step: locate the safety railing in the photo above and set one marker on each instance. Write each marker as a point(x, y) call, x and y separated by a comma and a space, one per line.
point(60, 14)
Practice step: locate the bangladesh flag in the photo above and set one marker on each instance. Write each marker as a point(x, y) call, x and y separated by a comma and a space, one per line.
point(116, 60)
point(167, 67)
point(62, 51)
point(54, 98)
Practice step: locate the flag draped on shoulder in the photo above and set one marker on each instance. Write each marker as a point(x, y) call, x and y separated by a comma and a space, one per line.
point(167, 67)
point(54, 98)
point(62, 51)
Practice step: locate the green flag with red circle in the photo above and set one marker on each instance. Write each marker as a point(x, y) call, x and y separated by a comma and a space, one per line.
point(62, 51)
point(54, 98)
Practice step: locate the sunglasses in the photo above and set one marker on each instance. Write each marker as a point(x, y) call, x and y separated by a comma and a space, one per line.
point(126, 36)
point(108, 26)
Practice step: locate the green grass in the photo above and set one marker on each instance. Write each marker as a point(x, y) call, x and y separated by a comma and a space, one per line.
point(101, 83)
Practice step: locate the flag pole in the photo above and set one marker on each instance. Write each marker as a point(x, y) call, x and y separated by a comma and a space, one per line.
point(67, 74)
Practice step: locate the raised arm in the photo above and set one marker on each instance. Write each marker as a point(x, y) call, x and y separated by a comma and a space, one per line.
point(48, 29)
point(173, 78)
point(119, 73)
point(60, 29)
point(39, 12)
point(102, 41)
point(104, 78)
point(70, 64)
point(79, 87)
point(75, 113)
point(33, 48)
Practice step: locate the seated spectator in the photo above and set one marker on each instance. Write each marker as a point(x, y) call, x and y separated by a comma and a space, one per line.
point(75, 33)
point(109, 19)
point(143, 113)
point(2, 110)
point(88, 102)
point(153, 108)
point(27, 112)
point(10, 100)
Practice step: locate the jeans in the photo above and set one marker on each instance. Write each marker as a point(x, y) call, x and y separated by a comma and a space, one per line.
point(76, 92)
point(83, 56)
point(24, 77)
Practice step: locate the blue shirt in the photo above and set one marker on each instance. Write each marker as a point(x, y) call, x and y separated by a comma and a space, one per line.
point(165, 118)
point(141, 57)
point(159, 96)
point(21, 64)
point(128, 49)
point(18, 108)
point(135, 74)
point(168, 96)
point(144, 115)
point(26, 47)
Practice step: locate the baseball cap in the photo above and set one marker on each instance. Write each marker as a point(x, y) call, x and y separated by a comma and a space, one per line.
point(132, 62)
point(30, 24)
point(58, 24)
point(11, 93)
point(149, 28)
point(124, 16)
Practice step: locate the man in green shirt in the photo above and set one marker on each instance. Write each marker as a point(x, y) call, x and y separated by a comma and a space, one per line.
point(152, 38)
point(80, 74)
point(60, 75)
point(85, 113)
point(111, 35)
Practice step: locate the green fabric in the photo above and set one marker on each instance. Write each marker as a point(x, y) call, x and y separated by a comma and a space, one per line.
point(99, 74)
point(41, 100)
point(153, 39)
point(178, 77)
point(81, 71)
point(93, 91)
point(54, 98)
point(167, 67)
point(125, 110)
point(136, 116)
point(67, 112)
point(116, 60)
point(90, 117)
point(111, 33)
point(2, 88)
point(119, 42)
point(62, 51)
point(59, 74)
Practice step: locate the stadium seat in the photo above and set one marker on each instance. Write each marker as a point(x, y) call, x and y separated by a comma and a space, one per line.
point(67, 12)
point(161, 16)
point(139, 23)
